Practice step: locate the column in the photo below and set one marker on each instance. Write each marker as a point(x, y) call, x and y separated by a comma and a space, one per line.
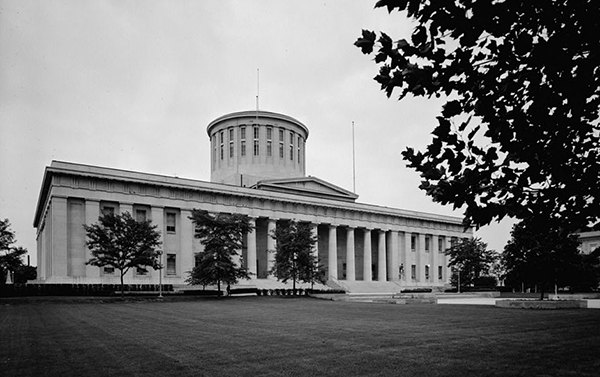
point(59, 236)
point(435, 279)
point(127, 207)
point(393, 255)
point(421, 259)
point(187, 243)
point(92, 212)
point(367, 275)
point(332, 265)
point(157, 217)
point(251, 244)
point(381, 268)
point(315, 235)
point(271, 226)
point(350, 267)
point(407, 258)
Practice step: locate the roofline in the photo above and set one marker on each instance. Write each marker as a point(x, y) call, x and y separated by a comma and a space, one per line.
point(257, 114)
point(163, 180)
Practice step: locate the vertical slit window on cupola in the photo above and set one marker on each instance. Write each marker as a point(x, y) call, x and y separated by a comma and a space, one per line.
point(256, 138)
point(243, 141)
point(269, 141)
point(298, 148)
point(281, 143)
point(292, 146)
point(221, 143)
point(231, 143)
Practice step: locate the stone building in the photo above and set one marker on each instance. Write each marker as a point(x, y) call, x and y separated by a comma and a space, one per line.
point(258, 169)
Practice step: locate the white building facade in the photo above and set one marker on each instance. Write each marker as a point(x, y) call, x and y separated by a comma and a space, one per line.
point(257, 169)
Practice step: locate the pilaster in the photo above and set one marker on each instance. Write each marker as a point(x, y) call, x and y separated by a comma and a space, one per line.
point(367, 257)
point(332, 259)
point(59, 236)
point(92, 212)
point(350, 255)
point(382, 258)
point(251, 245)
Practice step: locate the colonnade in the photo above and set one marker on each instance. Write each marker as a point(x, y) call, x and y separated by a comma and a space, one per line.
point(359, 253)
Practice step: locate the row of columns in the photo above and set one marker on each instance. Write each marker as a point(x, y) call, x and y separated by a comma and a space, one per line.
point(385, 267)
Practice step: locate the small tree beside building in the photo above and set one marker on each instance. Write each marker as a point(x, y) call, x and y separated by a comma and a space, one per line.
point(222, 237)
point(10, 256)
point(294, 256)
point(472, 262)
point(121, 242)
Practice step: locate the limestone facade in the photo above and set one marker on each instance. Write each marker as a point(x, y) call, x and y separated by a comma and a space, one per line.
point(356, 242)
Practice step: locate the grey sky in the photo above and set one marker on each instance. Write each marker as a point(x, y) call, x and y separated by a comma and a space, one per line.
point(133, 85)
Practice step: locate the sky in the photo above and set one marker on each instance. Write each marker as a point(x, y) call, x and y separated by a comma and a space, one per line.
point(133, 84)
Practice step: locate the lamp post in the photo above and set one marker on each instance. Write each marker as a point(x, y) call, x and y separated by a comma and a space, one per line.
point(160, 253)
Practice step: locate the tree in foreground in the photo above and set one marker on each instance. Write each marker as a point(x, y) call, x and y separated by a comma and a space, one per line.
point(536, 256)
point(121, 242)
point(10, 256)
point(472, 261)
point(518, 135)
point(222, 237)
point(294, 256)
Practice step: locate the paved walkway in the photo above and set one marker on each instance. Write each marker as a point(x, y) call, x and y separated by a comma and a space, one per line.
point(592, 304)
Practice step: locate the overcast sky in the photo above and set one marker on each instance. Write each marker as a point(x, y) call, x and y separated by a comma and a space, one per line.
point(133, 85)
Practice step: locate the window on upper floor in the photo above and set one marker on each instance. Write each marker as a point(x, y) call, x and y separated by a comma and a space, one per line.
point(440, 273)
point(171, 222)
point(440, 244)
point(413, 242)
point(427, 244)
point(140, 215)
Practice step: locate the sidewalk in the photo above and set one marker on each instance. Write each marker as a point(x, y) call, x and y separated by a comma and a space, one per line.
point(592, 304)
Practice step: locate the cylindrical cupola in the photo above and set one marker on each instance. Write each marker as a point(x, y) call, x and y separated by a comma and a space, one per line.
point(250, 146)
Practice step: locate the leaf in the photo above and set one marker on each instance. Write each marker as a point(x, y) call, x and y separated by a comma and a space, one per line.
point(366, 42)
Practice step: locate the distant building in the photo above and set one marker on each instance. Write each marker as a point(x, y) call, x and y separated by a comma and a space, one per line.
point(257, 169)
point(590, 241)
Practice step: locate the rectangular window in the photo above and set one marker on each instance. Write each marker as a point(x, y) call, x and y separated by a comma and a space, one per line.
point(427, 272)
point(281, 135)
point(171, 222)
point(427, 242)
point(231, 134)
point(141, 271)
point(243, 133)
point(140, 215)
point(171, 265)
point(413, 243)
point(440, 271)
point(440, 244)
point(280, 143)
point(108, 210)
point(109, 270)
point(221, 137)
point(243, 148)
point(214, 149)
point(292, 152)
point(269, 141)
point(413, 271)
point(256, 139)
point(298, 147)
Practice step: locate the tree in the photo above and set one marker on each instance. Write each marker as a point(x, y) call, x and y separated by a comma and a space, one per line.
point(518, 135)
point(10, 256)
point(536, 255)
point(222, 237)
point(472, 261)
point(120, 241)
point(294, 257)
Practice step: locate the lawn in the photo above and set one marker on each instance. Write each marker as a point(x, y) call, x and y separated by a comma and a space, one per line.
point(274, 336)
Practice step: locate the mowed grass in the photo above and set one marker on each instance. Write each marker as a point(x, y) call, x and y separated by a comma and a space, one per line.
point(274, 336)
